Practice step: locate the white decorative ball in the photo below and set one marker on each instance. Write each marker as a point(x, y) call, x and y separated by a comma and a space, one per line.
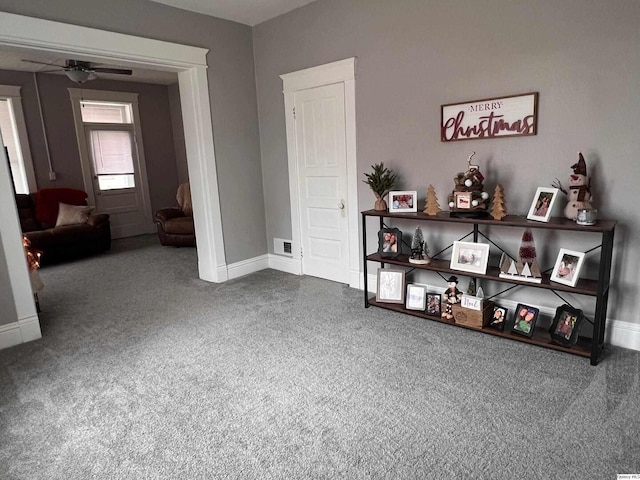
point(468, 182)
point(485, 195)
point(474, 203)
point(451, 204)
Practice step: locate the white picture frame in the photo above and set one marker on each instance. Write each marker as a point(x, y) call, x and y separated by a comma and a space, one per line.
point(542, 204)
point(567, 267)
point(416, 297)
point(390, 285)
point(403, 201)
point(470, 257)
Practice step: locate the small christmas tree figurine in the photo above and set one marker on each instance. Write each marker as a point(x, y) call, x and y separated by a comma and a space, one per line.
point(431, 207)
point(419, 249)
point(498, 209)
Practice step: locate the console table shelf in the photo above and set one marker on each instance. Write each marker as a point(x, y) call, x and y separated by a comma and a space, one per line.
point(599, 289)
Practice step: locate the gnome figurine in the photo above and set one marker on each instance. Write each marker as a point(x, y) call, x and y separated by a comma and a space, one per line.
point(578, 192)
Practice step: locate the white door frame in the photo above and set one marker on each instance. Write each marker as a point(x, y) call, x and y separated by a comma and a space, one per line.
point(79, 94)
point(17, 31)
point(342, 71)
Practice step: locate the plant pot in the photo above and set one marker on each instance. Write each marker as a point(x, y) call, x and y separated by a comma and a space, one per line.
point(380, 205)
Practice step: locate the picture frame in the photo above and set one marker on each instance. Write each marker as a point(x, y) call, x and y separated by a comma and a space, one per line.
point(434, 302)
point(470, 257)
point(390, 285)
point(566, 325)
point(498, 318)
point(389, 242)
point(416, 297)
point(567, 267)
point(463, 200)
point(524, 320)
point(542, 204)
point(405, 201)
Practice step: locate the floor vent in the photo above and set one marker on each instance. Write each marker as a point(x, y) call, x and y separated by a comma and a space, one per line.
point(282, 247)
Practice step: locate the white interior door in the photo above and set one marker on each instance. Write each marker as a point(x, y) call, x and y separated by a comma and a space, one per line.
point(322, 181)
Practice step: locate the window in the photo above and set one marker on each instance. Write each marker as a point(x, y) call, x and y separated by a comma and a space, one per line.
point(110, 136)
point(14, 138)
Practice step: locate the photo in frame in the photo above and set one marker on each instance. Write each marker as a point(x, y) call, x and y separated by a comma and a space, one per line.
point(433, 304)
point(390, 285)
point(524, 319)
point(499, 318)
point(416, 298)
point(389, 242)
point(470, 257)
point(566, 325)
point(403, 201)
point(567, 267)
point(542, 204)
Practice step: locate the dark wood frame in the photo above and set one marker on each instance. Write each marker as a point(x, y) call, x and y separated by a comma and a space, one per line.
point(516, 317)
point(499, 326)
point(561, 314)
point(438, 302)
point(381, 234)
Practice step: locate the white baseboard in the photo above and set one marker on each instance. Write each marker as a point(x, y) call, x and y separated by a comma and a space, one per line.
point(262, 262)
point(623, 334)
point(22, 331)
point(245, 267)
point(285, 264)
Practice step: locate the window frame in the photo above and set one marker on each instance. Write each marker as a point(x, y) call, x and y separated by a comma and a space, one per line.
point(12, 93)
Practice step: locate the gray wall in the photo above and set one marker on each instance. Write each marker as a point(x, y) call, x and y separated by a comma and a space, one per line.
point(231, 88)
point(414, 56)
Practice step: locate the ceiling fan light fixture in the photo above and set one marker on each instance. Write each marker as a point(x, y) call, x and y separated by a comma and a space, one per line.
point(78, 76)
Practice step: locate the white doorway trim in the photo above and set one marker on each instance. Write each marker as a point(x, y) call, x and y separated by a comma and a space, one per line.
point(27, 33)
point(342, 71)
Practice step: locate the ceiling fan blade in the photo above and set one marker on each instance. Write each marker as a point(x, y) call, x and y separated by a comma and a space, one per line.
point(117, 71)
point(43, 63)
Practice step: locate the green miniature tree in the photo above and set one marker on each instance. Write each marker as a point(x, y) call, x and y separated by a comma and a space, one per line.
point(381, 181)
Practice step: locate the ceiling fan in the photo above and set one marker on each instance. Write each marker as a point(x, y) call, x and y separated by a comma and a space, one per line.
point(80, 72)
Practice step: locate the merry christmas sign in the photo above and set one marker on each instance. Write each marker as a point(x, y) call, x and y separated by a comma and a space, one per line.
point(515, 115)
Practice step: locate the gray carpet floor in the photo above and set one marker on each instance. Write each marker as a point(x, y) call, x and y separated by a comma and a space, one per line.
point(146, 372)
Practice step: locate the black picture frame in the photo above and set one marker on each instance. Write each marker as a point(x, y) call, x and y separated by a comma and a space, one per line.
point(566, 325)
point(524, 320)
point(434, 301)
point(389, 242)
point(498, 318)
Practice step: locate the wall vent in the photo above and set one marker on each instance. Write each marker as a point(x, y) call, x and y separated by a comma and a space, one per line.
point(282, 247)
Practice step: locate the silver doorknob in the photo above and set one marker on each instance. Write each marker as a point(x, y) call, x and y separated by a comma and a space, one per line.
point(341, 205)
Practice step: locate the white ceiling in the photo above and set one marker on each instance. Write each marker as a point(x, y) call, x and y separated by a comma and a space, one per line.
point(249, 12)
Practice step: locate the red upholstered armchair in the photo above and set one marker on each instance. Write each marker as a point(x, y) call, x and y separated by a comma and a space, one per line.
point(175, 224)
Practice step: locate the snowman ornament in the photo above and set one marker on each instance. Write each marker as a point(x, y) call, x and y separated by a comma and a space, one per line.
point(578, 191)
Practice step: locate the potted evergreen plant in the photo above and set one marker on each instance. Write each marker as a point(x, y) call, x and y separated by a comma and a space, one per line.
point(381, 182)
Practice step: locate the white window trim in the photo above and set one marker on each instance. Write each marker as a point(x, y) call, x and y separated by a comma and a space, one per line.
point(13, 95)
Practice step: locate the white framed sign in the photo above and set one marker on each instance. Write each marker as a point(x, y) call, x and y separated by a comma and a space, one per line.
point(472, 303)
point(516, 115)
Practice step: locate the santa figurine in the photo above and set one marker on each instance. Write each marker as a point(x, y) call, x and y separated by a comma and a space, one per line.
point(578, 192)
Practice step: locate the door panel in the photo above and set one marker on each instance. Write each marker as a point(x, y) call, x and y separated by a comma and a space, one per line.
point(322, 180)
point(113, 162)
